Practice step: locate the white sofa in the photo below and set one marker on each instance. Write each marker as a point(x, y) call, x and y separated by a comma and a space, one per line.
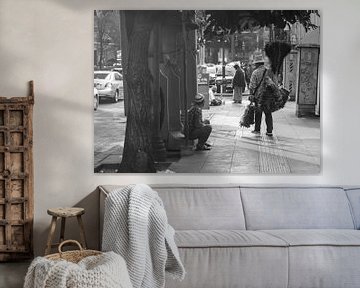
point(264, 237)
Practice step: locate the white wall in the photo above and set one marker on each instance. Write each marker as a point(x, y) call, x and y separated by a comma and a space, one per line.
point(51, 42)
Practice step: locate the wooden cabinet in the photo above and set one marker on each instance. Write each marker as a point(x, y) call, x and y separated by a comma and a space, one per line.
point(16, 177)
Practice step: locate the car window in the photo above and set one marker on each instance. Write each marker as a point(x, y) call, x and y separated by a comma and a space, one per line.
point(101, 75)
point(118, 77)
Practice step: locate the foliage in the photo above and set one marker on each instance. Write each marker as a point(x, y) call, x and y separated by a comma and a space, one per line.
point(107, 30)
point(222, 22)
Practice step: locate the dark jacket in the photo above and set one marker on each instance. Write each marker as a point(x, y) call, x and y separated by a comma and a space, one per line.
point(239, 79)
point(263, 85)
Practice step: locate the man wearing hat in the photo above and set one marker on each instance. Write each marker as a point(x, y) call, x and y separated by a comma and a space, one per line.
point(198, 129)
point(256, 79)
point(238, 84)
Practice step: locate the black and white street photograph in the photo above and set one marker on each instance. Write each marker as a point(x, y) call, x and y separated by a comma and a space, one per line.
point(207, 91)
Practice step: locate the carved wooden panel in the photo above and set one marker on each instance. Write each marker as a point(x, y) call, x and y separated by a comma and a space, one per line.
point(308, 75)
point(16, 177)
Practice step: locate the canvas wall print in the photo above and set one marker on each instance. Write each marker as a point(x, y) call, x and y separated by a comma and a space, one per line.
point(207, 91)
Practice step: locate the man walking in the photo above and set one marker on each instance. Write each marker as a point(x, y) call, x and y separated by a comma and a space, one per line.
point(238, 84)
point(255, 81)
point(264, 84)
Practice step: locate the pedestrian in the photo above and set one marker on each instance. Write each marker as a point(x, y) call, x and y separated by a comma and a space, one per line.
point(198, 128)
point(238, 84)
point(264, 84)
point(213, 100)
point(262, 70)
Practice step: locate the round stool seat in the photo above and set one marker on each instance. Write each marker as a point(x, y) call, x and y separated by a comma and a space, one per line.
point(66, 211)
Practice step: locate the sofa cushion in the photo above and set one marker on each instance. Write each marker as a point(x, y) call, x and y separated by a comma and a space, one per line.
point(226, 238)
point(296, 208)
point(203, 208)
point(354, 198)
point(225, 267)
point(324, 266)
point(199, 207)
point(315, 237)
point(327, 258)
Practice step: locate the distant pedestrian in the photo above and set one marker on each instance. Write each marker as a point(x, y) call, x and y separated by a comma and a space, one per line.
point(238, 84)
point(198, 128)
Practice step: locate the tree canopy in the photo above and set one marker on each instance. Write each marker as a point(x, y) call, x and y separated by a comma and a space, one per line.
point(220, 22)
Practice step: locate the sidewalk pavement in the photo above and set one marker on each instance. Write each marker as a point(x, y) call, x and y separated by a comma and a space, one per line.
point(295, 147)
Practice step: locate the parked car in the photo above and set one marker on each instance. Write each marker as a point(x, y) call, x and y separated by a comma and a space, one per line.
point(212, 78)
point(96, 99)
point(233, 63)
point(117, 68)
point(109, 84)
point(211, 69)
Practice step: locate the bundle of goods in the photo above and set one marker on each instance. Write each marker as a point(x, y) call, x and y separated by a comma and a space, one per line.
point(248, 117)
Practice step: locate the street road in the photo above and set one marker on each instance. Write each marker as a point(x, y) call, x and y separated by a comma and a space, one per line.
point(109, 132)
point(294, 149)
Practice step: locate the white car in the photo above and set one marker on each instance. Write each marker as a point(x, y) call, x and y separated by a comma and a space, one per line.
point(96, 99)
point(109, 84)
point(211, 70)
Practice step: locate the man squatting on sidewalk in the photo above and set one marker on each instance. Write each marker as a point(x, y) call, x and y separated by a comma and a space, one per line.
point(198, 128)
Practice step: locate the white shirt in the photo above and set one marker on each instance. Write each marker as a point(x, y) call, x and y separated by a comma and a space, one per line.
point(211, 95)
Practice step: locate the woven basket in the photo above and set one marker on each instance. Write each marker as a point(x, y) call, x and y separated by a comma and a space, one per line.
point(72, 256)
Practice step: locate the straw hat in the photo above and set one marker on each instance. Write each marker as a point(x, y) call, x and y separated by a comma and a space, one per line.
point(199, 98)
point(258, 58)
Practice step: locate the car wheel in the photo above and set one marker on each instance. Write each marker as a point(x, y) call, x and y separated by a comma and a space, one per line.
point(116, 97)
point(96, 103)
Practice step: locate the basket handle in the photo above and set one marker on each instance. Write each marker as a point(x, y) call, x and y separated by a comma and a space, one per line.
point(69, 241)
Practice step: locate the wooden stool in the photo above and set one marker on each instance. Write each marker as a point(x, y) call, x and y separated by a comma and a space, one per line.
point(64, 213)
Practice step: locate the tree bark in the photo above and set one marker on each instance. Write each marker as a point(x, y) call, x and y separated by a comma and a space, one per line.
point(138, 154)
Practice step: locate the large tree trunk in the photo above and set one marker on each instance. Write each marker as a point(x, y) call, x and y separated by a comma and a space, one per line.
point(137, 154)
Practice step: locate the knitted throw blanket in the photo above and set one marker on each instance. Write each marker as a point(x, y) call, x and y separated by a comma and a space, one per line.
point(103, 271)
point(136, 227)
